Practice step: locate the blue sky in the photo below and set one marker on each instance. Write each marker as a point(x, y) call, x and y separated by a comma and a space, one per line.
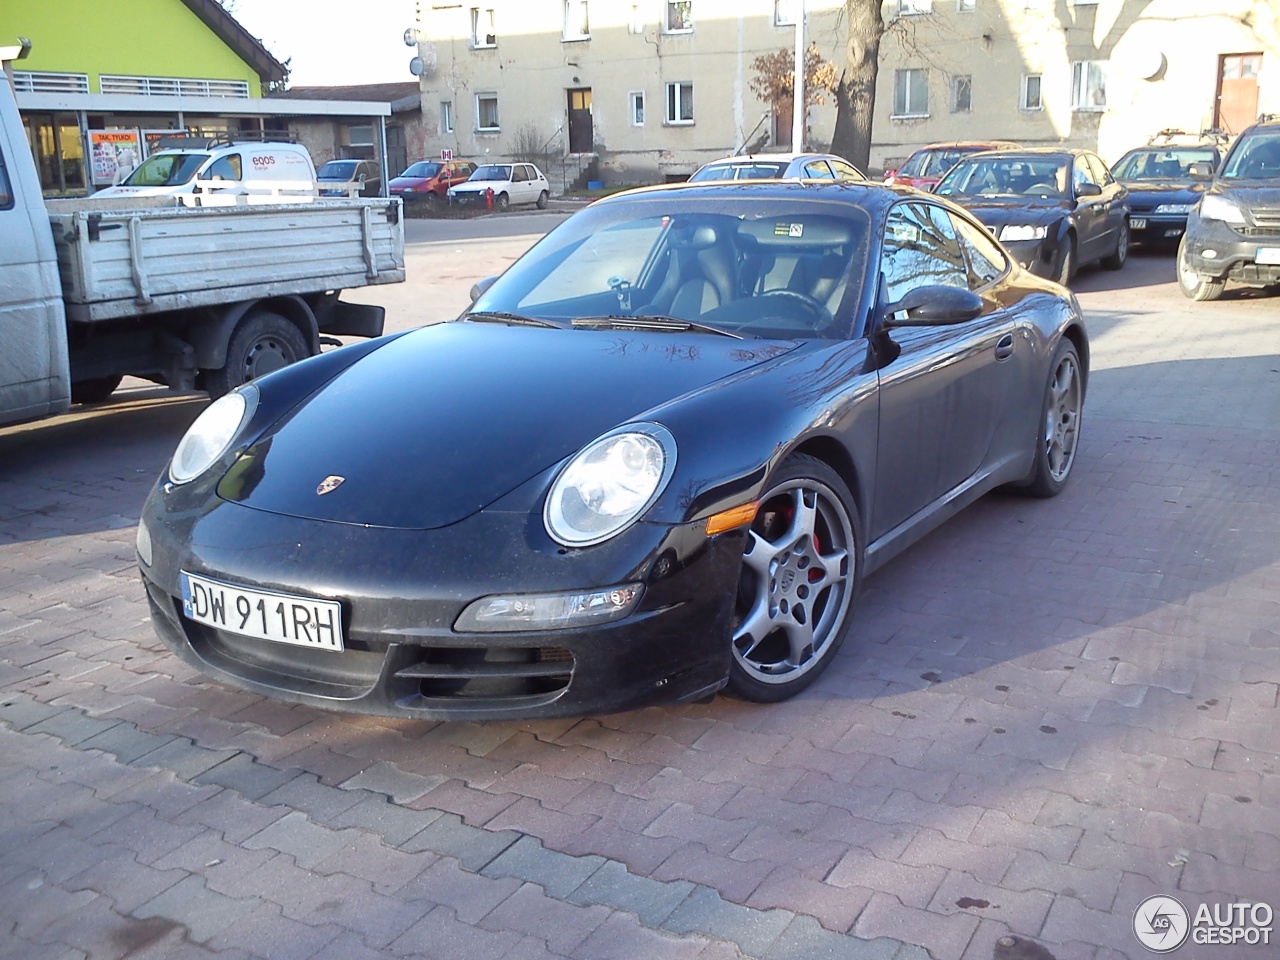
point(331, 43)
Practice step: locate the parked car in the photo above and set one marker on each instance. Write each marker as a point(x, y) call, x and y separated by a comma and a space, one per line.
point(510, 183)
point(779, 166)
point(1233, 233)
point(1161, 188)
point(345, 178)
point(218, 171)
point(1053, 208)
point(924, 168)
point(428, 181)
point(655, 457)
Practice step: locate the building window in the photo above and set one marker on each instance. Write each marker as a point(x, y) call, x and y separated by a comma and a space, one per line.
point(486, 112)
point(446, 116)
point(635, 99)
point(360, 135)
point(784, 13)
point(679, 16)
point(1031, 93)
point(679, 103)
point(1084, 3)
point(1089, 85)
point(962, 94)
point(635, 26)
point(483, 33)
point(576, 24)
point(910, 93)
point(966, 6)
point(910, 8)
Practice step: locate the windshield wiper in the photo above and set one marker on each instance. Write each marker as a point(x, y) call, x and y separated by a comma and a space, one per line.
point(515, 319)
point(624, 321)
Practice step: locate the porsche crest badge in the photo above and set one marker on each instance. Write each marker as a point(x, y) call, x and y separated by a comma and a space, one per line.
point(329, 484)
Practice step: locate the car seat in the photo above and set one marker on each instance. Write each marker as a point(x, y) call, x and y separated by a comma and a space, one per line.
point(702, 274)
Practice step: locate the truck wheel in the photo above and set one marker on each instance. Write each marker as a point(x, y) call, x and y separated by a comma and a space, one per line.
point(94, 391)
point(262, 342)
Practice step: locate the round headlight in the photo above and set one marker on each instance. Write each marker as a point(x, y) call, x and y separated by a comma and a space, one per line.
point(209, 437)
point(606, 487)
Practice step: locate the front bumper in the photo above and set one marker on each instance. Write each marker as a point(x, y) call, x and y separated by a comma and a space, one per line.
point(1217, 251)
point(1156, 228)
point(402, 590)
point(1037, 256)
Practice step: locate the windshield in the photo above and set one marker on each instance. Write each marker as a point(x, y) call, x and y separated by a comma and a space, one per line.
point(166, 170)
point(492, 172)
point(1255, 157)
point(337, 170)
point(422, 169)
point(1006, 177)
point(934, 163)
point(774, 267)
point(751, 170)
point(1162, 163)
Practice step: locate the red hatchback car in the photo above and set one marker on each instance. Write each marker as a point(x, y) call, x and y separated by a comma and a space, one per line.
point(924, 168)
point(429, 180)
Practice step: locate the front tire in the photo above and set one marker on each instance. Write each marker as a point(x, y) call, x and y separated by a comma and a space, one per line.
point(1192, 284)
point(1066, 260)
point(1117, 259)
point(1059, 439)
point(501, 202)
point(801, 567)
point(262, 343)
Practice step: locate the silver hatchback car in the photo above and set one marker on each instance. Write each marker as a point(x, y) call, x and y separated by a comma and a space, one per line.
point(779, 166)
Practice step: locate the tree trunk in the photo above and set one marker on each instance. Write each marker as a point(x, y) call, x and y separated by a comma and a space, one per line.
point(856, 95)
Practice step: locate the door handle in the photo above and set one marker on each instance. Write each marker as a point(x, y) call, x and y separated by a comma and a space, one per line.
point(1004, 347)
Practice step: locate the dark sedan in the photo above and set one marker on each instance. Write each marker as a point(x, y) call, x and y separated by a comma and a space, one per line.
point(657, 456)
point(1054, 210)
point(1161, 189)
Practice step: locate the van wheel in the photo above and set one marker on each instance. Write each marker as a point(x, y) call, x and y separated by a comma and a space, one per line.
point(94, 391)
point(501, 202)
point(542, 200)
point(262, 342)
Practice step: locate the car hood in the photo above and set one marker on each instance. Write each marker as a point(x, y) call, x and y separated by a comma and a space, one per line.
point(444, 421)
point(1248, 194)
point(1175, 190)
point(407, 183)
point(998, 211)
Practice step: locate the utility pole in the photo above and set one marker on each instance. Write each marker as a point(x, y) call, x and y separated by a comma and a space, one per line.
point(797, 104)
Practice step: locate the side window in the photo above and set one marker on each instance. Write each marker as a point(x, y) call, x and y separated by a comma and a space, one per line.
point(224, 168)
point(818, 170)
point(1101, 175)
point(920, 252)
point(986, 262)
point(519, 174)
point(1080, 173)
point(6, 190)
point(845, 171)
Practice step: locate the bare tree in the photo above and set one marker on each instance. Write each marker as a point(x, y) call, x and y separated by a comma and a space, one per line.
point(855, 92)
point(527, 145)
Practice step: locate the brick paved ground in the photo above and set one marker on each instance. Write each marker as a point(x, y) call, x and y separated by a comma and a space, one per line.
point(1048, 711)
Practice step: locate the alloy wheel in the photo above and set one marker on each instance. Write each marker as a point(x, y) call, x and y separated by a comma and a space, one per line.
point(1062, 418)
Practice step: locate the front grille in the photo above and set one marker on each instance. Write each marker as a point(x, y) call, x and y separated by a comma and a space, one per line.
point(494, 674)
point(1267, 232)
point(1141, 207)
point(1266, 216)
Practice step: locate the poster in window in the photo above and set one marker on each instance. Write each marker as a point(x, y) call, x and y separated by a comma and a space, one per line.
point(114, 155)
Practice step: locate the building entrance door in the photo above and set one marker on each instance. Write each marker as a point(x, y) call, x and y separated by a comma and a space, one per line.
point(1237, 102)
point(581, 135)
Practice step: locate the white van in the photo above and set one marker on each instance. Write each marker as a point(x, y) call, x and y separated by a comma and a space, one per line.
point(221, 173)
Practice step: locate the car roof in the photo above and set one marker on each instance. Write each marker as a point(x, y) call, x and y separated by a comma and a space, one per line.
point(869, 194)
point(1031, 152)
point(985, 144)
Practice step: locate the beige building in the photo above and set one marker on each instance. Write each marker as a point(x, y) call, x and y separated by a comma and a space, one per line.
point(630, 91)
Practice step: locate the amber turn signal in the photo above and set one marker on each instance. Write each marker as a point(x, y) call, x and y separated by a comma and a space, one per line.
point(733, 517)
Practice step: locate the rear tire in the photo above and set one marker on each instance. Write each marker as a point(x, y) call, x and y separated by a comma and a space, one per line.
point(542, 200)
point(97, 390)
point(1193, 285)
point(262, 342)
point(1117, 259)
point(1060, 418)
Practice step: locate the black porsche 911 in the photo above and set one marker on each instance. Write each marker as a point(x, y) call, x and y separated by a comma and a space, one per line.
point(655, 457)
point(1055, 209)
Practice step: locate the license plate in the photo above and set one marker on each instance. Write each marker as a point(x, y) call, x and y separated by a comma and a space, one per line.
point(263, 614)
point(1267, 255)
point(1137, 224)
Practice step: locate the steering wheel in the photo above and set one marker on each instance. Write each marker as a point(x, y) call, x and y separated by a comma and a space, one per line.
point(821, 315)
point(1040, 188)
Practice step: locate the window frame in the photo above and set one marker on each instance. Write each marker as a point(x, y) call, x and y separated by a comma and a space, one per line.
point(966, 6)
point(784, 8)
point(904, 73)
point(1081, 71)
point(634, 97)
point(674, 86)
point(1026, 86)
point(446, 116)
point(569, 7)
point(497, 127)
point(965, 79)
point(476, 17)
point(913, 8)
point(666, 20)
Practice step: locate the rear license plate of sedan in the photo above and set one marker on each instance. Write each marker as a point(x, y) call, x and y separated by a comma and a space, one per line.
point(1270, 255)
point(1137, 224)
point(263, 614)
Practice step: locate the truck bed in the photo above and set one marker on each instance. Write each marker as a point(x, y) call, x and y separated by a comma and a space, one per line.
point(128, 260)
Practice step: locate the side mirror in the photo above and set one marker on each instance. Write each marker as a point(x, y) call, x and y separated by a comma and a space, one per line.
point(1088, 190)
point(1201, 170)
point(934, 306)
point(480, 286)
